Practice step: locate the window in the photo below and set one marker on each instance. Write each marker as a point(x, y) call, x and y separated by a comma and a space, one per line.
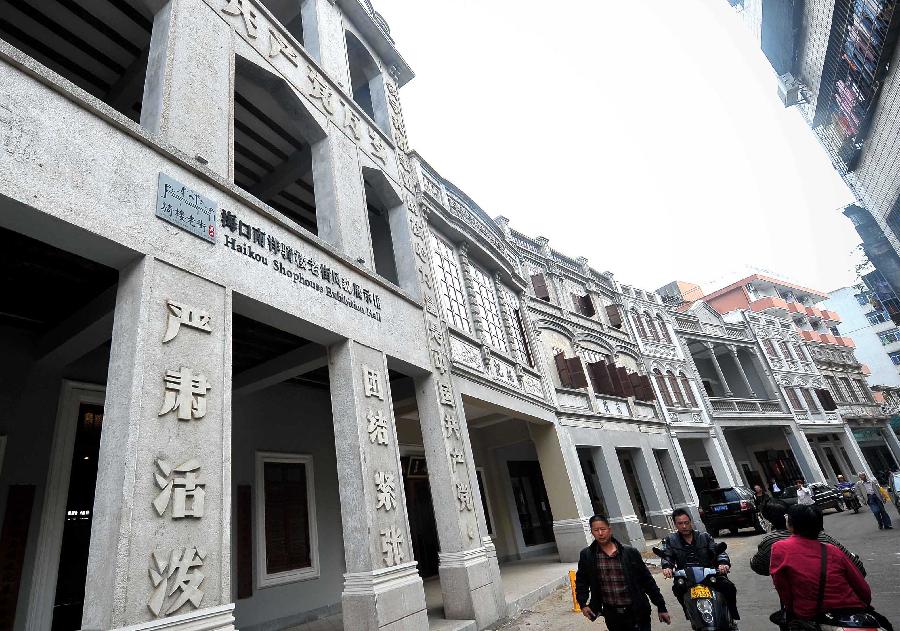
point(639, 325)
point(876, 317)
point(663, 387)
point(688, 392)
point(450, 286)
point(798, 352)
point(663, 330)
point(584, 305)
point(895, 357)
point(539, 284)
point(486, 303)
point(851, 392)
point(834, 388)
point(615, 317)
point(889, 337)
point(515, 317)
point(862, 299)
point(771, 351)
point(863, 390)
point(677, 397)
point(810, 399)
point(793, 398)
point(650, 328)
point(365, 76)
point(571, 374)
point(286, 520)
point(786, 350)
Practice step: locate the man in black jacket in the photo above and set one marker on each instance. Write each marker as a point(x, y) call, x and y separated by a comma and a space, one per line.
point(698, 549)
point(618, 581)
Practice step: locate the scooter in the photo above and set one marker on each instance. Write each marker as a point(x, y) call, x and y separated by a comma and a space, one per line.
point(850, 499)
point(706, 608)
point(858, 621)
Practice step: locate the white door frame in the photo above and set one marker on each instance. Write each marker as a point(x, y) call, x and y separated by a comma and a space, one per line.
point(39, 615)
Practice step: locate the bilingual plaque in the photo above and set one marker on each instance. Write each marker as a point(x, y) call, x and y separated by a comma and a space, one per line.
point(185, 208)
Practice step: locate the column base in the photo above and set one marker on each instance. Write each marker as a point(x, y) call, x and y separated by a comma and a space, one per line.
point(660, 522)
point(497, 583)
point(467, 584)
point(210, 619)
point(627, 529)
point(389, 599)
point(572, 536)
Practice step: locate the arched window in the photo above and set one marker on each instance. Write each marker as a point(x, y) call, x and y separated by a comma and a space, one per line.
point(688, 391)
point(663, 386)
point(677, 397)
point(638, 325)
point(651, 330)
point(663, 330)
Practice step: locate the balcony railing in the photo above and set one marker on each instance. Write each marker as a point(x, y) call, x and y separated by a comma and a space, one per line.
point(751, 406)
point(731, 331)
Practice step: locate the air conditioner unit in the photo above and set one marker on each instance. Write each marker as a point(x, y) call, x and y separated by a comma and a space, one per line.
point(790, 90)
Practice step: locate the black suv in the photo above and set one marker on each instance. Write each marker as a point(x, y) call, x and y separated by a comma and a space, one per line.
point(823, 495)
point(730, 508)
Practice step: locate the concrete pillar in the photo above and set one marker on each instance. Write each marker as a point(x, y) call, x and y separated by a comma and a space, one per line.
point(566, 488)
point(720, 458)
point(715, 360)
point(342, 218)
point(382, 588)
point(190, 50)
point(162, 517)
point(827, 469)
point(857, 459)
point(658, 504)
point(467, 570)
point(324, 39)
point(890, 439)
point(622, 515)
point(803, 453)
point(740, 367)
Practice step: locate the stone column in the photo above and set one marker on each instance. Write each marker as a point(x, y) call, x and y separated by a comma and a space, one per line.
point(715, 360)
point(737, 360)
point(829, 472)
point(161, 529)
point(509, 327)
point(565, 486)
point(890, 439)
point(323, 37)
point(622, 515)
point(467, 570)
point(537, 349)
point(720, 458)
point(659, 506)
point(381, 586)
point(857, 459)
point(803, 453)
point(191, 49)
point(479, 326)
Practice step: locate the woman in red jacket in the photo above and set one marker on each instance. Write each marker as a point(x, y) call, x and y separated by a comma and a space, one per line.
point(796, 570)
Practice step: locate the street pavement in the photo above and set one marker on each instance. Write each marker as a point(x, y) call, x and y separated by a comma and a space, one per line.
point(879, 550)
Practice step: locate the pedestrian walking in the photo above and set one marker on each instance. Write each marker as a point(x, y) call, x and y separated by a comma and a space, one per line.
point(871, 493)
point(775, 488)
point(804, 494)
point(760, 498)
point(612, 581)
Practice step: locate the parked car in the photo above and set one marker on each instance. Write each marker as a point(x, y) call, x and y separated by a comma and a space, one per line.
point(730, 508)
point(825, 497)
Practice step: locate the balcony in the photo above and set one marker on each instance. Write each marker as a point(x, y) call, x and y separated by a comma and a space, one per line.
point(726, 407)
point(830, 316)
point(864, 368)
point(770, 304)
point(845, 341)
point(810, 336)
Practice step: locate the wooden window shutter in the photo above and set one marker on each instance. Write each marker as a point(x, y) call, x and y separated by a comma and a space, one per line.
point(825, 398)
point(244, 541)
point(576, 372)
point(562, 367)
point(688, 392)
point(663, 388)
point(676, 389)
point(539, 283)
point(625, 380)
point(639, 325)
point(637, 384)
point(618, 388)
point(614, 315)
point(600, 377)
point(793, 398)
point(648, 388)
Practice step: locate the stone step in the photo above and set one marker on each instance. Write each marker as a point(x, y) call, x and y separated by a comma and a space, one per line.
point(442, 624)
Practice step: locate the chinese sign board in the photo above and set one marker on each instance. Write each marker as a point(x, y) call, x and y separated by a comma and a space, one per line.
point(185, 208)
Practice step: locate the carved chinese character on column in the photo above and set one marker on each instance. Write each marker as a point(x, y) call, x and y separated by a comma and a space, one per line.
point(320, 91)
point(182, 487)
point(464, 497)
point(181, 314)
point(277, 46)
point(372, 383)
point(176, 580)
point(185, 393)
point(431, 306)
point(392, 546)
point(377, 427)
point(439, 361)
point(248, 15)
point(435, 333)
point(385, 490)
point(451, 424)
point(445, 394)
point(456, 456)
point(377, 146)
point(352, 121)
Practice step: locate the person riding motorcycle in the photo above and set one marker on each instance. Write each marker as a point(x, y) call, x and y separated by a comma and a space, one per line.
point(848, 493)
point(688, 547)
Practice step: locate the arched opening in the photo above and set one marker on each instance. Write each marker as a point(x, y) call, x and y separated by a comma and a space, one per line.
point(638, 325)
point(365, 76)
point(663, 330)
point(273, 138)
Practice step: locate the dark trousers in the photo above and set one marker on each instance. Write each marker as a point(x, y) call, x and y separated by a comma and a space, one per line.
point(723, 586)
point(626, 619)
point(881, 515)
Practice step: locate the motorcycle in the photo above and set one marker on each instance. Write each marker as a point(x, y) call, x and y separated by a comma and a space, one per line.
point(706, 608)
point(850, 499)
point(858, 621)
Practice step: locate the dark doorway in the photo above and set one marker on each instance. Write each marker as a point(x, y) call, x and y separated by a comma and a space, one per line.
point(779, 465)
point(634, 491)
point(532, 503)
point(592, 480)
point(422, 525)
point(76, 539)
point(706, 480)
point(752, 476)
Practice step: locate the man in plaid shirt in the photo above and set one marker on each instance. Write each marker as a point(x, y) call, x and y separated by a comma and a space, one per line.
point(618, 582)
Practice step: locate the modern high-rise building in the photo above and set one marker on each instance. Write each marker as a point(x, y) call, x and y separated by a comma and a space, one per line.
point(837, 62)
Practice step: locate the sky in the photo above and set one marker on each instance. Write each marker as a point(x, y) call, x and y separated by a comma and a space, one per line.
point(646, 135)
